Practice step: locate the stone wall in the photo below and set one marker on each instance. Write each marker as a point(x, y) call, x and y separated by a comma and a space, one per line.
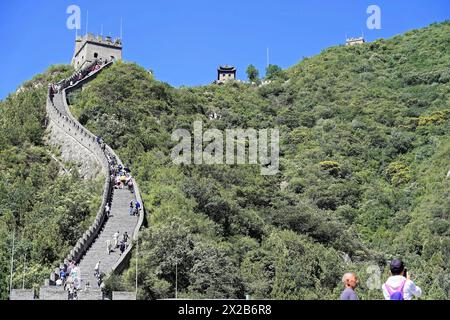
point(71, 150)
point(90, 294)
point(53, 293)
point(58, 293)
point(83, 148)
point(22, 294)
point(123, 295)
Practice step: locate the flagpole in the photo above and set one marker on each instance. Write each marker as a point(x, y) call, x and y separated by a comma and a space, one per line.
point(176, 278)
point(23, 277)
point(137, 259)
point(121, 29)
point(12, 264)
point(87, 21)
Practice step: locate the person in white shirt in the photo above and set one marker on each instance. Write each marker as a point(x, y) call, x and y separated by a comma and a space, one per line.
point(108, 210)
point(108, 246)
point(399, 286)
point(97, 269)
point(116, 239)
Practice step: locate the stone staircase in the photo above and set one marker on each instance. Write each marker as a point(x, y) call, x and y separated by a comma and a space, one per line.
point(91, 247)
point(120, 220)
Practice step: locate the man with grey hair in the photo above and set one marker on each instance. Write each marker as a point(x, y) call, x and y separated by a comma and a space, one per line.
point(350, 283)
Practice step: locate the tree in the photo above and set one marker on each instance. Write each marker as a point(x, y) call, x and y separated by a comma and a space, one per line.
point(213, 274)
point(252, 73)
point(273, 71)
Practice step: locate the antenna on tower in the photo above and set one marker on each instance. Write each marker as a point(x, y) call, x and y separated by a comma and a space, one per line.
point(87, 21)
point(267, 57)
point(121, 28)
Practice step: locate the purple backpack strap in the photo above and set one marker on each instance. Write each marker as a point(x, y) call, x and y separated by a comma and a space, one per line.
point(402, 285)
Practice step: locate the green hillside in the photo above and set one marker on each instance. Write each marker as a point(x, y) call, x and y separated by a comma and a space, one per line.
point(365, 150)
point(45, 211)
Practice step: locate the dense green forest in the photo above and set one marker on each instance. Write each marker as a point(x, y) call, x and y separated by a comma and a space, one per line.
point(41, 209)
point(364, 147)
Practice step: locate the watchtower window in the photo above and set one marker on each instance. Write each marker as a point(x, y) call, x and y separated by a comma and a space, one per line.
point(95, 55)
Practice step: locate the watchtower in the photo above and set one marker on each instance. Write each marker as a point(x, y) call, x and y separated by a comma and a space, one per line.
point(355, 41)
point(90, 47)
point(226, 73)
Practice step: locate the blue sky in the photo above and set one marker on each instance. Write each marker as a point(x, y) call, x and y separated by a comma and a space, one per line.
point(185, 41)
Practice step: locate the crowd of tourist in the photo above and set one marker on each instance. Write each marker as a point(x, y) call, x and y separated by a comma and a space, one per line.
point(121, 177)
point(77, 76)
point(134, 208)
point(115, 243)
point(70, 278)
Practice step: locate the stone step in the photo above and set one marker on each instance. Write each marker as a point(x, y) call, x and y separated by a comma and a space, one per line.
point(121, 221)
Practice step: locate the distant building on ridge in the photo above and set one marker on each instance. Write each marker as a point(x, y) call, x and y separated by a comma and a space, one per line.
point(355, 41)
point(225, 73)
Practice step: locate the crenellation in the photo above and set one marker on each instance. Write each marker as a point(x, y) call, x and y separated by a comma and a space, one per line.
point(90, 47)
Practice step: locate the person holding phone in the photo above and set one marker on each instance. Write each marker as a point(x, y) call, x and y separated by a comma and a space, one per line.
point(399, 286)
